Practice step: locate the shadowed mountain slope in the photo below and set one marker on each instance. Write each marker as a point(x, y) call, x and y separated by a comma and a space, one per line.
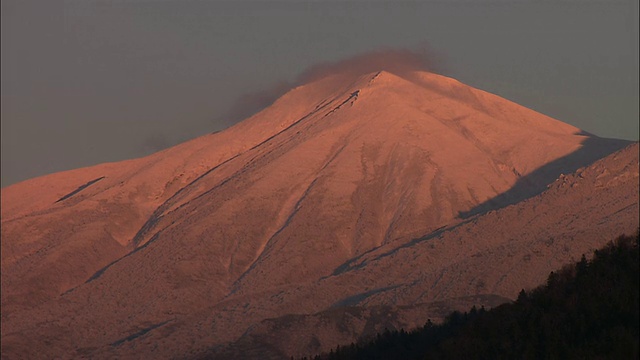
point(320, 201)
point(585, 310)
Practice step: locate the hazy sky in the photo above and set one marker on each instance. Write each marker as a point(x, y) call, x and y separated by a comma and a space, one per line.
point(90, 81)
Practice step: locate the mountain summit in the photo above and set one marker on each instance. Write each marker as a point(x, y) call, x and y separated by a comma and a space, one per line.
point(188, 248)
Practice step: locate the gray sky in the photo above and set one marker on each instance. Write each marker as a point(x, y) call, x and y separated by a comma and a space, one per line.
point(90, 81)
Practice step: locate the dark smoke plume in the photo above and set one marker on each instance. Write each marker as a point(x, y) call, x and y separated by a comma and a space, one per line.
point(398, 61)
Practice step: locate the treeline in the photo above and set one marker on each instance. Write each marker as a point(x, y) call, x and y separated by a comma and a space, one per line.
point(588, 310)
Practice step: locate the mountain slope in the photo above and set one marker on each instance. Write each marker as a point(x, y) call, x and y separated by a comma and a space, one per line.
point(588, 309)
point(257, 221)
point(498, 253)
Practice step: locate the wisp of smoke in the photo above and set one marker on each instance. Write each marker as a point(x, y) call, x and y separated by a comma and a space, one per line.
point(398, 61)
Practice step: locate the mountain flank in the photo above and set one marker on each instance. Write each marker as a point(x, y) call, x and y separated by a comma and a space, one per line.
point(348, 192)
